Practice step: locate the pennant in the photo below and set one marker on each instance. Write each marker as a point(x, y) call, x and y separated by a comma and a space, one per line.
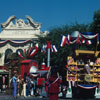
point(20, 55)
point(34, 51)
point(63, 41)
point(53, 48)
point(44, 47)
point(83, 40)
point(68, 39)
point(36, 46)
point(88, 42)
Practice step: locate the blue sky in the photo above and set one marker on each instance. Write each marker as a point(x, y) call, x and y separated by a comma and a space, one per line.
point(50, 13)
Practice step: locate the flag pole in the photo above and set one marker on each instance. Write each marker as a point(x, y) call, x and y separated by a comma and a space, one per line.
point(48, 59)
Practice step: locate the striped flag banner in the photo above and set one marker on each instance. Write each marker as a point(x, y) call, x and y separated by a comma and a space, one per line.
point(54, 48)
point(34, 51)
point(63, 41)
point(68, 39)
point(20, 55)
point(88, 42)
point(44, 48)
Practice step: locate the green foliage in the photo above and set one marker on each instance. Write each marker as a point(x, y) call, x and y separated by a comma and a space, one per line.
point(95, 25)
point(60, 58)
point(14, 62)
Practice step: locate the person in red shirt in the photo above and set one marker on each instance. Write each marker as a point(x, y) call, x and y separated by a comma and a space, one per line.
point(53, 87)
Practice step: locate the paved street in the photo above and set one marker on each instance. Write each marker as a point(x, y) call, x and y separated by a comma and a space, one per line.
point(34, 98)
point(9, 97)
point(22, 98)
point(5, 97)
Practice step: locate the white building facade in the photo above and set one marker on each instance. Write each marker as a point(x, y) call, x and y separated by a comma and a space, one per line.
point(18, 34)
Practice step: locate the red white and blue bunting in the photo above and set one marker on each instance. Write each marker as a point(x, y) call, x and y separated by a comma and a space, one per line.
point(86, 37)
point(31, 52)
point(14, 41)
point(87, 86)
point(44, 47)
point(52, 47)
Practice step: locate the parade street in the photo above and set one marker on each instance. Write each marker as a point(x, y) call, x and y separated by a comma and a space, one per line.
point(9, 97)
point(5, 97)
point(32, 98)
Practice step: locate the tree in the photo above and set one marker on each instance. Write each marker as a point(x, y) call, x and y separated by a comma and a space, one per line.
point(95, 25)
point(14, 62)
point(60, 58)
point(55, 35)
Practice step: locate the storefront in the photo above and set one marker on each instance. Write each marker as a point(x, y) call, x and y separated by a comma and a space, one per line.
point(4, 80)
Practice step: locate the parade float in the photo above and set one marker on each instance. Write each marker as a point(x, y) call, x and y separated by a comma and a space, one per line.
point(83, 70)
point(30, 66)
point(83, 82)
